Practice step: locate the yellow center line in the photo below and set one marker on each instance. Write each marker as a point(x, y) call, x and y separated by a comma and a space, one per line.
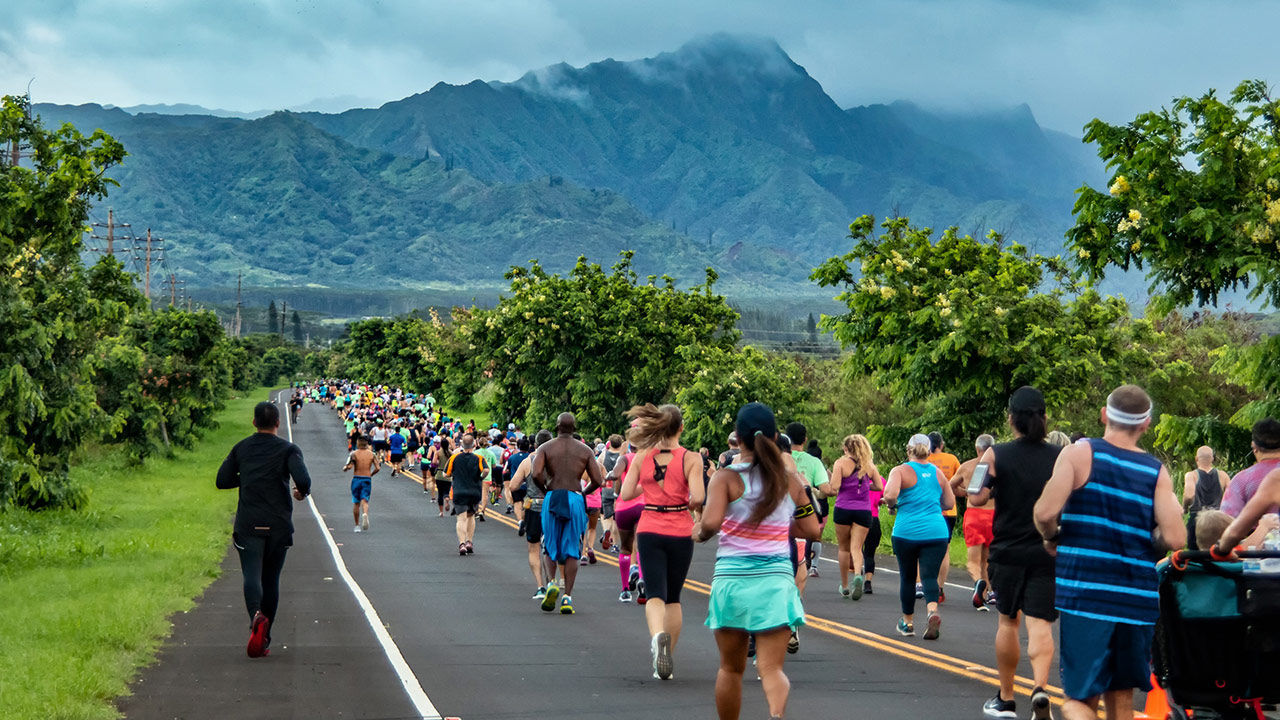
point(941, 661)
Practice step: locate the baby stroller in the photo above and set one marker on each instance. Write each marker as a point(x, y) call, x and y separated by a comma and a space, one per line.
point(1217, 643)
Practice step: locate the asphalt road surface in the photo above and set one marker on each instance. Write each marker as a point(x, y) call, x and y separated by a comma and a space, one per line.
point(420, 632)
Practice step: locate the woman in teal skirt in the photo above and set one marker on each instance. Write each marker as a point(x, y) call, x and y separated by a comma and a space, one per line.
point(756, 505)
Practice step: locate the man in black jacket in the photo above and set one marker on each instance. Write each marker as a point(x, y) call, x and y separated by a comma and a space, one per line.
point(261, 465)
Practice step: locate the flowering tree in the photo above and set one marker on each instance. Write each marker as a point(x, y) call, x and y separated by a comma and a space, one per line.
point(959, 323)
point(1194, 198)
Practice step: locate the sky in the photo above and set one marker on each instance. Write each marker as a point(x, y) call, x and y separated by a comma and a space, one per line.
point(1070, 60)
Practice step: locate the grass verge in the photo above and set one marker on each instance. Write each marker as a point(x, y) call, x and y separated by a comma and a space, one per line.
point(85, 596)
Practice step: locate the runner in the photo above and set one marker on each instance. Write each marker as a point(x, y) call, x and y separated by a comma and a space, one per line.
point(295, 406)
point(753, 504)
point(949, 464)
point(919, 493)
point(364, 465)
point(626, 516)
point(531, 500)
point(1109, 513)
point(854, 477)
point(261, 466)
point(595, 504)
point(517, 492)
point(557, 469)
point(812, 470)
point(441, 451)
point(977, 527)
point(871, 545)
point(1021, 571)
point(1202, 489)
point(661, 473)
point(726, 458)
point(609, 459)
point(396, 442)
point(378, 435)
point(466, 470)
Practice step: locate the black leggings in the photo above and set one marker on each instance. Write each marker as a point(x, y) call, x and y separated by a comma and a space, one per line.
point(870, 545)
point(261, 560)
point(929, 554)
point(442, 491)
point(665, 559)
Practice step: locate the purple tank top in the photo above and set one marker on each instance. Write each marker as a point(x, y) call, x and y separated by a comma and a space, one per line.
point(855, 493)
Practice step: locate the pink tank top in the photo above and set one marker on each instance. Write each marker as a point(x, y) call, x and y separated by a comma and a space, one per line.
point(672, 492)
point(621, 504)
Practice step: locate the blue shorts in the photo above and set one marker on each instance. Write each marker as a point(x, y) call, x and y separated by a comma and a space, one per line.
point(1097, 656)
point(562, 536)
point(361, 489)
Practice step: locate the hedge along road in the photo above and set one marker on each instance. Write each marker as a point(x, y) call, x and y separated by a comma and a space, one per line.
point(464, 631)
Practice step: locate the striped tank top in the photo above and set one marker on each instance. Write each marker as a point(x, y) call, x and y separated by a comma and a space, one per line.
point(739, 538)
point(1106, 568)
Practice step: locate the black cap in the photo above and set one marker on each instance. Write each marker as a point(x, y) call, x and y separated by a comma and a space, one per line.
point(1026, 399)
point(755, 418)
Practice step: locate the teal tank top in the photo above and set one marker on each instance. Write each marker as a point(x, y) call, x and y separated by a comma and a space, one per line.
point(919, 515)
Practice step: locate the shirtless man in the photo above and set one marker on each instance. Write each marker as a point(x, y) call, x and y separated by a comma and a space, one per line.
point(365, 465)
point(557, 469)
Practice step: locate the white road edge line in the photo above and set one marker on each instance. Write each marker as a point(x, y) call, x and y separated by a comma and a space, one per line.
point(408, 680)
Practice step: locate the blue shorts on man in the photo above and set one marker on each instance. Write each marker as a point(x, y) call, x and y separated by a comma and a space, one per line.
point(361, 489)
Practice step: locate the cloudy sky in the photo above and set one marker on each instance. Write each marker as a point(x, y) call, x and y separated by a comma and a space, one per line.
point(1071, 60)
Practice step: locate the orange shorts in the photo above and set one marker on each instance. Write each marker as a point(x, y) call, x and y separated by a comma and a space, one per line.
point(977, 526)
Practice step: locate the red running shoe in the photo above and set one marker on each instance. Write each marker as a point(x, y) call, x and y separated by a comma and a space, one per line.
point(606, 541)
point(258, 635)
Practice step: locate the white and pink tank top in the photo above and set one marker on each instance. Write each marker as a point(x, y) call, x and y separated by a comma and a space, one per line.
point(772, 537)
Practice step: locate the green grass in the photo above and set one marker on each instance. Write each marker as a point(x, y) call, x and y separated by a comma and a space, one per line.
point(85, 596)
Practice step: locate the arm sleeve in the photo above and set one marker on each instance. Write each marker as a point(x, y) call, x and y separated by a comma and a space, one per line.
point(298, 471)
point(229, 472)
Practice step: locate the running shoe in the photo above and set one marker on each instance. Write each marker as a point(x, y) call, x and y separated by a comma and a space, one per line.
point(979, 594)
point(905, 628)
point(258, 630)
point(520, 530)
point(942, 595)
point(357, 528)
point(566, 606)
point(591, 557)
point(471, 548)
point(1040, 704)
point(997, 708)
point(634, 578)
point(462, 548)
point(859, 587)
point(866, 588)
point(624, 596)
point(606, 540)
point(934, 627)
point(641, 598)
point(511, 510)
point(813, 571)
point(919, 590)
point(542, 592)
point(480, 517)
point(549, 600)
point(663, 664)
point(793, 645)
point(364, 521)
point(615, 549)
point(844, 592)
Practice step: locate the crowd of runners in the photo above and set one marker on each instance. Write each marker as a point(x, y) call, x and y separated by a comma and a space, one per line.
point(1058, 529)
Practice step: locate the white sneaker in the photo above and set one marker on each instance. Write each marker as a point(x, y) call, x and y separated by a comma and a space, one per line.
point(364, 521)
point(357, 528)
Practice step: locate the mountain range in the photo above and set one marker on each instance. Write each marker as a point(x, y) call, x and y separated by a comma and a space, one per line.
point(724, 152)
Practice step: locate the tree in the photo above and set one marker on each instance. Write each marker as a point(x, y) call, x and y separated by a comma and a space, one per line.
point(273, 322)
point(958, 324)
point(719, 381)
point(52, 326)
point(298, 337)
point(280, 362)
point(593, 342)
point(1194, 198)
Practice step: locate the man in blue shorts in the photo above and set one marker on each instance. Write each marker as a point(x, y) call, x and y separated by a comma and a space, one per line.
point(365, 465)
point(558, 467)
point(1109, 514)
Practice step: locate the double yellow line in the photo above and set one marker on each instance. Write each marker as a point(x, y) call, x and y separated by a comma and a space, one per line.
point(866, 638)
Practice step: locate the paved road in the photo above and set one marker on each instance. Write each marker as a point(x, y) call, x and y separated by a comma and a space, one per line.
point(464, 631)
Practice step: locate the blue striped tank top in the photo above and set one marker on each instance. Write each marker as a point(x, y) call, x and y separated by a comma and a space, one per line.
point(1106, 566)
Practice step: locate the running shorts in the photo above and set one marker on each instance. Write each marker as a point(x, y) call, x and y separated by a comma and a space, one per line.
point(468, 504)
point(951, 525)
point(361, 489)
point(978, 526)
point(841, 516)
point(1024, 588)
point(533, 526)
point(562, 534)
point(606, 508)
point(397, 457)
point(381, 445)
point(443, 490)
point(519, 494)
point(665, 559)
point(1098, 656)
point(628, 518)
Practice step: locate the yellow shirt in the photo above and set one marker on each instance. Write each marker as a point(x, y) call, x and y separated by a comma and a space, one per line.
point(948, 465)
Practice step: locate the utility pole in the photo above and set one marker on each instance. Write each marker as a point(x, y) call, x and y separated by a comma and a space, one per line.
point(173, 289)
point(148, 267)
point(284, 313)
point(236, 329)
point(111, 226)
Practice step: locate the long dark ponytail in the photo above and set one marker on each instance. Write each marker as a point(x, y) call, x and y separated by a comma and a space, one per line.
point(773, 474)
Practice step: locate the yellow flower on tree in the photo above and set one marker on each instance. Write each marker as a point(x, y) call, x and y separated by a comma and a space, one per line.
point(1120, 186)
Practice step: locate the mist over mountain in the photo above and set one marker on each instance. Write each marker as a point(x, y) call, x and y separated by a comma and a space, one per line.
point(723, 152)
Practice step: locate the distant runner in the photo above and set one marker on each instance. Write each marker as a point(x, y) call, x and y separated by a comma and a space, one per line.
point(364, 465)
point(467, 471)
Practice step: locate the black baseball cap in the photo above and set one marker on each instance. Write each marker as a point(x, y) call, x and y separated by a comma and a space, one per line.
point(1026, 399)
point(756, 418)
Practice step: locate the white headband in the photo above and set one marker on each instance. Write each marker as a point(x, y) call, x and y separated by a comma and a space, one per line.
point(1121, 417)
